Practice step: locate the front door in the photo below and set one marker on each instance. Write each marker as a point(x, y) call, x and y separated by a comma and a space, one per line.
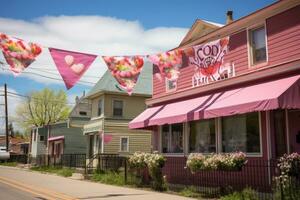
point(278, 125)
point(294, 129)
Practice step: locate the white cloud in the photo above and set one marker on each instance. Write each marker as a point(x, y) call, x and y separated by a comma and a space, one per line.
point(13, 102)
point(90, 34)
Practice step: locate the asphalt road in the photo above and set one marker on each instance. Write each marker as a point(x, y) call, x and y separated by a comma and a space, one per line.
point(10, 193)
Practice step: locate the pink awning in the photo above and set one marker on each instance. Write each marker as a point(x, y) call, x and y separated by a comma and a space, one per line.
point(56, 138)
point(282, 93)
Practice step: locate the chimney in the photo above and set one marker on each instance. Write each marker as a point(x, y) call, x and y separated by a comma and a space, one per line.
point(229, 17)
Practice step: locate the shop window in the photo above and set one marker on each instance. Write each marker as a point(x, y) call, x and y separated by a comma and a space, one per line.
point(257, 45)
point(117, 108)
point(241, 133)
point(202, 138)
point(99, 107)
point(42, 138)
point(124, 147)
point(172, 138)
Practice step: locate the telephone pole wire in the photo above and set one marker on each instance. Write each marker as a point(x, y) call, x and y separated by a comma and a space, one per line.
point(6, 117)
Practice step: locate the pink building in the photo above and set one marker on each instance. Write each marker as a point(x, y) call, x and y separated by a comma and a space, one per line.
point(253, 106)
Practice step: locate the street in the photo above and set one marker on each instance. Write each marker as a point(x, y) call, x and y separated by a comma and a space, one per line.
point(10, 193)
point(47, 186)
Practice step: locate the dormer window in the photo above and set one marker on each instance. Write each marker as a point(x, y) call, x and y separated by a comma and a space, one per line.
point(117, 108)
point(257, 45)
point(99, 107)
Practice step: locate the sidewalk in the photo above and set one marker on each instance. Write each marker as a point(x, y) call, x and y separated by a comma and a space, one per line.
point(80, 189)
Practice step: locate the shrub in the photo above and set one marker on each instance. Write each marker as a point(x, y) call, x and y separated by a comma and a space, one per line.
point(154, 162)
point(246, 194)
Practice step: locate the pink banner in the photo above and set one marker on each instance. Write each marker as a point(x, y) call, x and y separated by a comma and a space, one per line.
point(107, 138)
point(168, 63)
point(71, 65)
point(18, 53)
point(208, 61)
point(126, 70)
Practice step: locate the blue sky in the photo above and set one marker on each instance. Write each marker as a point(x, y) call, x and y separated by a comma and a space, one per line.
point(104, 27)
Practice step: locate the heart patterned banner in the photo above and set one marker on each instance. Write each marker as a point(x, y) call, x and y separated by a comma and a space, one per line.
point(18, 53)
point(168, 63)
point(71, 65)
point(126, 70)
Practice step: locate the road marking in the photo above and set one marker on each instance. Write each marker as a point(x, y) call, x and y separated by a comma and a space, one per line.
point(38, 191)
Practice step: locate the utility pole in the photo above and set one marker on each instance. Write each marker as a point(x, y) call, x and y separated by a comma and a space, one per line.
point(6, 117)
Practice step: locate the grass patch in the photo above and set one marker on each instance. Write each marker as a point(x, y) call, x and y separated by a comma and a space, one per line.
point(65, 172)
point(109, 177)
point(10, 164)
point(190, 191)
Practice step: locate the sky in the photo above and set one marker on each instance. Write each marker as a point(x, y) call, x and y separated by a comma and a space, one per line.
point(101, 27)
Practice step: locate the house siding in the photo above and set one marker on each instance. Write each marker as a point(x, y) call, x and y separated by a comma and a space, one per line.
point(283, 44)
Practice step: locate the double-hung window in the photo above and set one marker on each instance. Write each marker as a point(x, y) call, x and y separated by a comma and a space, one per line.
point(117, 108)
point(124, 147)
point(257, 45)
point(100, 110)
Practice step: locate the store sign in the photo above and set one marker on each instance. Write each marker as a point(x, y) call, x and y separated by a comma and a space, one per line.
point(208, 61)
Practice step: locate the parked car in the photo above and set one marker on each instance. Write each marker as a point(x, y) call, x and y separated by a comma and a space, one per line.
point(4, 155)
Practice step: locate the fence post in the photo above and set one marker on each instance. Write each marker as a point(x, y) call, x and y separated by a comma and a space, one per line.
point(125, 170)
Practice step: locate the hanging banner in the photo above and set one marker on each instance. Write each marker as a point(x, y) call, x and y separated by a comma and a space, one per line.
point(107, 138)
point(18, 53)
point(168, 63)
point(208, 62)
point(126, 70)
point(71, 65)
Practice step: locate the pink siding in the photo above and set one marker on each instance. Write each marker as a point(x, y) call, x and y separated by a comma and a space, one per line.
point(283, 33)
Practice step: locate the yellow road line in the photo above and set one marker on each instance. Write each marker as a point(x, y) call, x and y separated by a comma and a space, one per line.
point(42, 192)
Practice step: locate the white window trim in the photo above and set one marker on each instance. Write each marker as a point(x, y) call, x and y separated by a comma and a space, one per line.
point(122, 137)
point(167, 86)
point(112, 107)
point(249, 48)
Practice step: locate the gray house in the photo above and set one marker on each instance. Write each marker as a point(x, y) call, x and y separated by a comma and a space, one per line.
point(63, 137)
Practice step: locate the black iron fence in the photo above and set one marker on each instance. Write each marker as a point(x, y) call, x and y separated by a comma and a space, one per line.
point(18, 158)
point(63, 160)
point(104, 162)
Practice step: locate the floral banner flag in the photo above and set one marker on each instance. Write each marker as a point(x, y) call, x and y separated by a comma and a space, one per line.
point(71, 65)
point(168, 63)
point(18, 53)
point(126, 70)
point(107, 138)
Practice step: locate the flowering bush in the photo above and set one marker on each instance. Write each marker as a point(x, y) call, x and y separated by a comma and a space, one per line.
point(154, 162)
point(227, 161)
point(289, 166)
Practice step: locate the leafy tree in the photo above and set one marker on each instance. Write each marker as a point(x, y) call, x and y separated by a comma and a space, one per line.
point(43, 108)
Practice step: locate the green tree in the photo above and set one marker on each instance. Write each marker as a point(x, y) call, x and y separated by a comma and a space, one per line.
point(43, 108)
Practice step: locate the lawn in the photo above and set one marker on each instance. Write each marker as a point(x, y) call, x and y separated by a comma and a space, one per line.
point(66, 172)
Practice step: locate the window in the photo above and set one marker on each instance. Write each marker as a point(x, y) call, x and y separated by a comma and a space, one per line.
point(171, 85)
point(99, 107)
point(124, 144)
point(257, 39)
point(117, 108)
point(42, 138)
point(241, 133)
point(83, 113)
point(202, 137)
point(172, 138)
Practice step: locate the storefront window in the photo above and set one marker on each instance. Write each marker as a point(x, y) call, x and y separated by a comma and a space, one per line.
point(202, 136)
point(172, 138)
point(241, 133)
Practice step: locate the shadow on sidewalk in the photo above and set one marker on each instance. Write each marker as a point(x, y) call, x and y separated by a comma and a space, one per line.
point(109, 195)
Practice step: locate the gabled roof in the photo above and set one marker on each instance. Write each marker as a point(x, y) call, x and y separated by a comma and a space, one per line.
point(107, 83)
point(199, 28)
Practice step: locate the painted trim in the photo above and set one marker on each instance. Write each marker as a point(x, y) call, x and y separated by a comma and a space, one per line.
point(120, 146)
point(287, 131)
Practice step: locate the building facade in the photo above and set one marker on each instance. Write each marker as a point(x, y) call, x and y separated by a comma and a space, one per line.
point(254, 107)
point(112, 109)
